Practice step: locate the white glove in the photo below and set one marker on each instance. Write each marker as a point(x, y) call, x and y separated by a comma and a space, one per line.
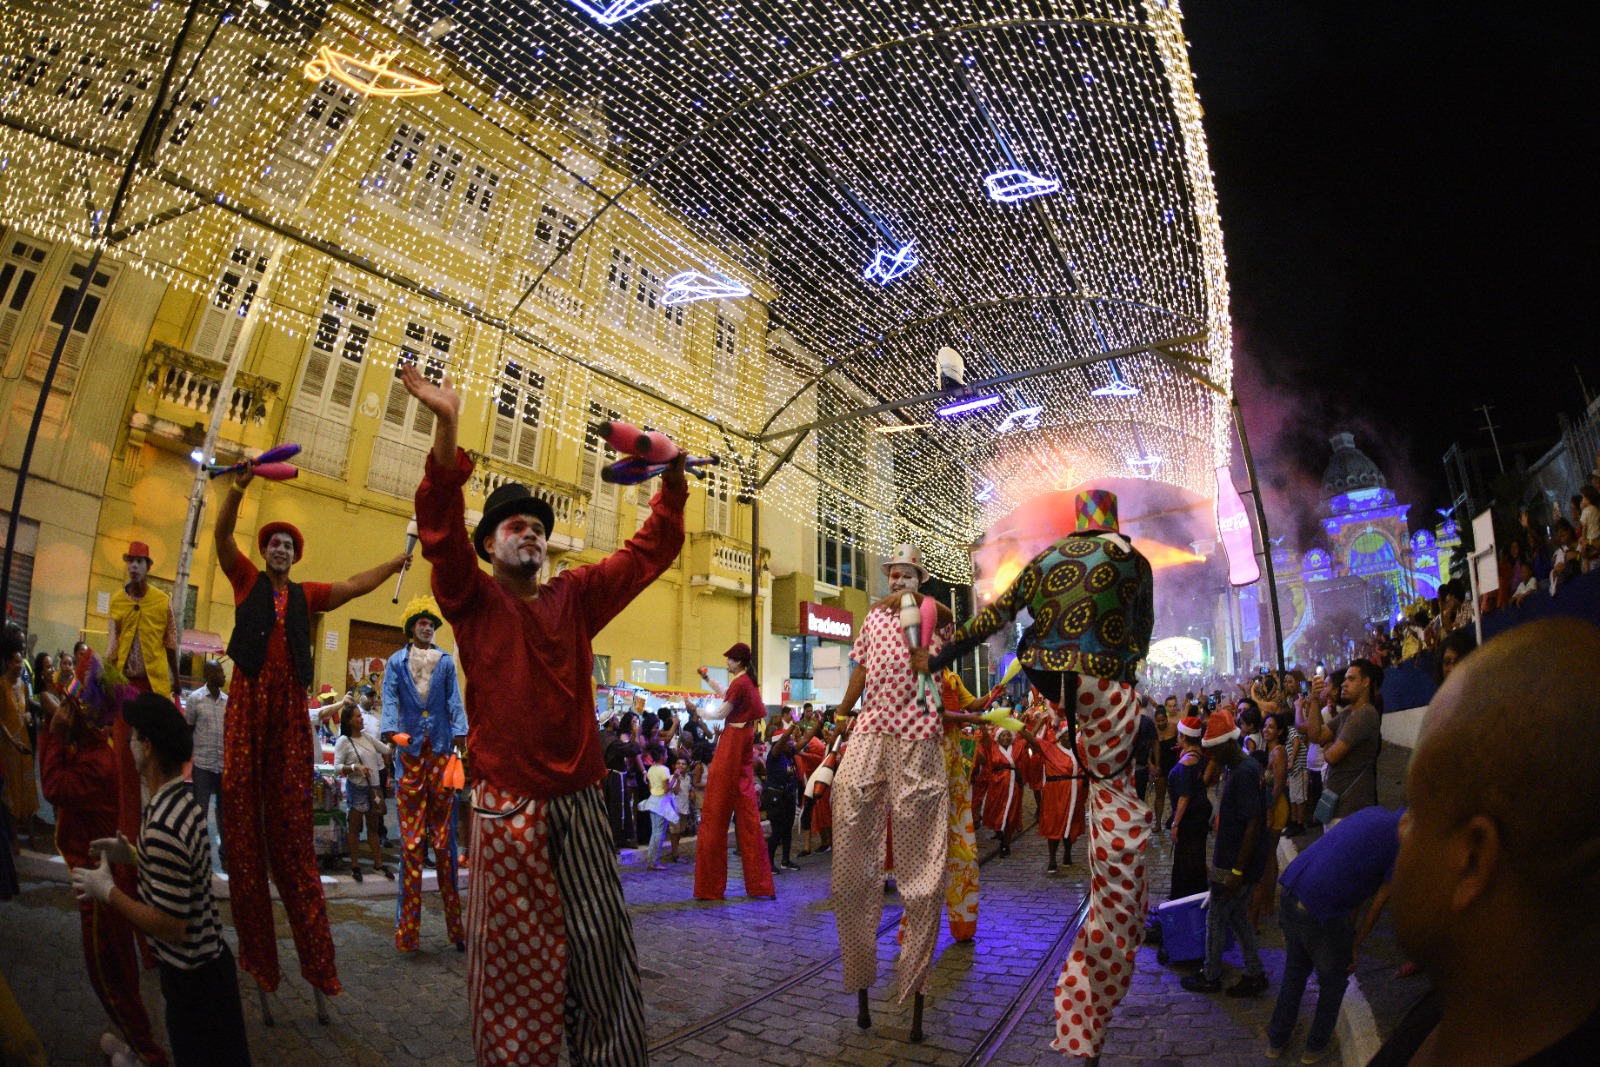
point(115, 849)
point(93, 882)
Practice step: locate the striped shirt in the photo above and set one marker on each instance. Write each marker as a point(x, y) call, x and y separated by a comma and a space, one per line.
point(207, 714)
point(175, 874)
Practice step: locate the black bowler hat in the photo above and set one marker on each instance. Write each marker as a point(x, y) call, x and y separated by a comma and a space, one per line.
point(159, 722)
point(512, 498)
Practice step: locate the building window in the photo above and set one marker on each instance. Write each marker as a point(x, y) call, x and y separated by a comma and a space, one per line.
point(619, 277)
point(320, 417)
point(231, 297)
point(553, 233)
point(517, 413)
point(435, 183)
point(44, 341)
point(719, 503)
point(16, 607)
point(310, 137)
point(648, 672)
point(428, 346)
point(19, 270)
point(602, 532)
point(840, 559)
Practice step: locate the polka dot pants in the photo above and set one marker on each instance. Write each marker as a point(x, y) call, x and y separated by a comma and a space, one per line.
point(549, 943)
point(1098, 971)
point(880, 773)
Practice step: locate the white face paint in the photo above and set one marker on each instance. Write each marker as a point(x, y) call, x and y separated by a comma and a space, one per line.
point(422, 632)
point(279, 554)
point(138, 569)
point(904, 578)
point(140, 749)
point(519, 545)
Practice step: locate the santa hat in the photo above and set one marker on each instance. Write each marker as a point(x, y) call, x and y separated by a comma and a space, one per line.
point(1220, 729)
point(1192, 726)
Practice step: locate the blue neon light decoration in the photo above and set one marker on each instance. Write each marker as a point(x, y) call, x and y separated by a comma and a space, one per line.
point(888, 265)
point(968, 405)
point(616, 11)
point(693, 285)
point(1116, 387)
point(1010, 186)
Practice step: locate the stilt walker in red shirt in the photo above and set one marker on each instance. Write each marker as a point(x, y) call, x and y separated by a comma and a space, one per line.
point(549, 943)
point(266, 808)
point(731, 789)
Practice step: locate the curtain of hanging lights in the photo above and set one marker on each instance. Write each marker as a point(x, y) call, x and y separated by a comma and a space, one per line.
point(1024, 181)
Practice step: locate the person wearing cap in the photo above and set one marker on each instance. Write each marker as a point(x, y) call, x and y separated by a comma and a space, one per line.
point(174, 906)
point(546, 920)
point(893, 770)
point(1066, 792)
point(426, 721)
point(142, 641)
point(267, 760)
point(1238, 860)
point(1191, 811)
point(78, 774)
point(730, 786)
point(1091, 595)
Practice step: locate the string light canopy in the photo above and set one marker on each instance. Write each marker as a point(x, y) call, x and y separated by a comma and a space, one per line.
point(753, 222)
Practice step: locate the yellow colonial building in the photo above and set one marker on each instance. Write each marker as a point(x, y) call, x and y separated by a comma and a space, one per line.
point(456, 214)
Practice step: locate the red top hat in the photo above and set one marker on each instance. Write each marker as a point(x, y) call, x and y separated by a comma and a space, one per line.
point(137, 550)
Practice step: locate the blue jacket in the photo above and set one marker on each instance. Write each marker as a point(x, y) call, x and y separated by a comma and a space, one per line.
point(441, 721)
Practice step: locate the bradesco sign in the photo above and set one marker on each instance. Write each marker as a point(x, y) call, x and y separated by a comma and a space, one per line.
point(835, 624)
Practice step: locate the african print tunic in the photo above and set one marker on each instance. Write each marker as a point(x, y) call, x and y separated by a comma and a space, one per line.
point(1092, 599)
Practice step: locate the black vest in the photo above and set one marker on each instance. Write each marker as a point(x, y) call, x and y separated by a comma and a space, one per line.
point(252, 626)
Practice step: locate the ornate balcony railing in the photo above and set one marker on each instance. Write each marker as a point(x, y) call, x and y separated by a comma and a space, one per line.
point(718, 561)
point(568, 501)
point(173, 376)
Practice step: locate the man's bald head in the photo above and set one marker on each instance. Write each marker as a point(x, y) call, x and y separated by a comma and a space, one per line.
point(1513, 735)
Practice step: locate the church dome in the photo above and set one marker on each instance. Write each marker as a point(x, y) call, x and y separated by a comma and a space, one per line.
point(1350, 469)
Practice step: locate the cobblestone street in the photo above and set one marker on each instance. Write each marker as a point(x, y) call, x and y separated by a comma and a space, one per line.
point(706, 967)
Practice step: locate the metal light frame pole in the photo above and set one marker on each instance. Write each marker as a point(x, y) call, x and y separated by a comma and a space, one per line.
point(152, 122)
point(1261, 521)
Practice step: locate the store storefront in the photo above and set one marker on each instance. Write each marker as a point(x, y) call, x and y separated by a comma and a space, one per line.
point(819, 661)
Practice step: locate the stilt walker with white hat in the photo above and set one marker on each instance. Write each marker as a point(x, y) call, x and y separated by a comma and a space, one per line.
point(893, 765)
point(426, 721)
point(1091, 597)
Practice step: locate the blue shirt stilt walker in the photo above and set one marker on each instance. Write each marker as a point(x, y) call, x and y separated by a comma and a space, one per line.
point(425, 719)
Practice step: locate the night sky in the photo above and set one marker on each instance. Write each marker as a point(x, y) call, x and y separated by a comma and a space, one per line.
point(1408, 223)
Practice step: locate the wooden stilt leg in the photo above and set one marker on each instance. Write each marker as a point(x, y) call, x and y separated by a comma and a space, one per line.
point(266, 1008)
point(916, 1019)
point(863, 1013)
point(322, 1006)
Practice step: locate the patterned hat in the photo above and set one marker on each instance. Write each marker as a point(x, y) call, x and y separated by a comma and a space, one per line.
point(1192, 726)
point(906, 556)
point(326, 695)
point(1220, 729)
point(1096, 510)
point(420, 607)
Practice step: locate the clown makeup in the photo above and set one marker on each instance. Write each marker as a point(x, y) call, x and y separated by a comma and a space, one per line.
point(519, 545)
point(903, 579)
point(279, 554)
point(138, 570)
point(140, 748)
point(422, 632)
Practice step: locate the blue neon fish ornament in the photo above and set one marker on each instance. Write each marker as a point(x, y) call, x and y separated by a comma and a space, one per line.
point(888, 265)
point(1010, 186)
point(692, 285)
point(616, 11)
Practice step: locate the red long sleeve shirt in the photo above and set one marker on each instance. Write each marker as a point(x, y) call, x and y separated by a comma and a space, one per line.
point(81, 781)
point(530, 705)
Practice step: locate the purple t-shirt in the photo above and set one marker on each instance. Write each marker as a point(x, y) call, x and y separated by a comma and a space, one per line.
point(1347, 864)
